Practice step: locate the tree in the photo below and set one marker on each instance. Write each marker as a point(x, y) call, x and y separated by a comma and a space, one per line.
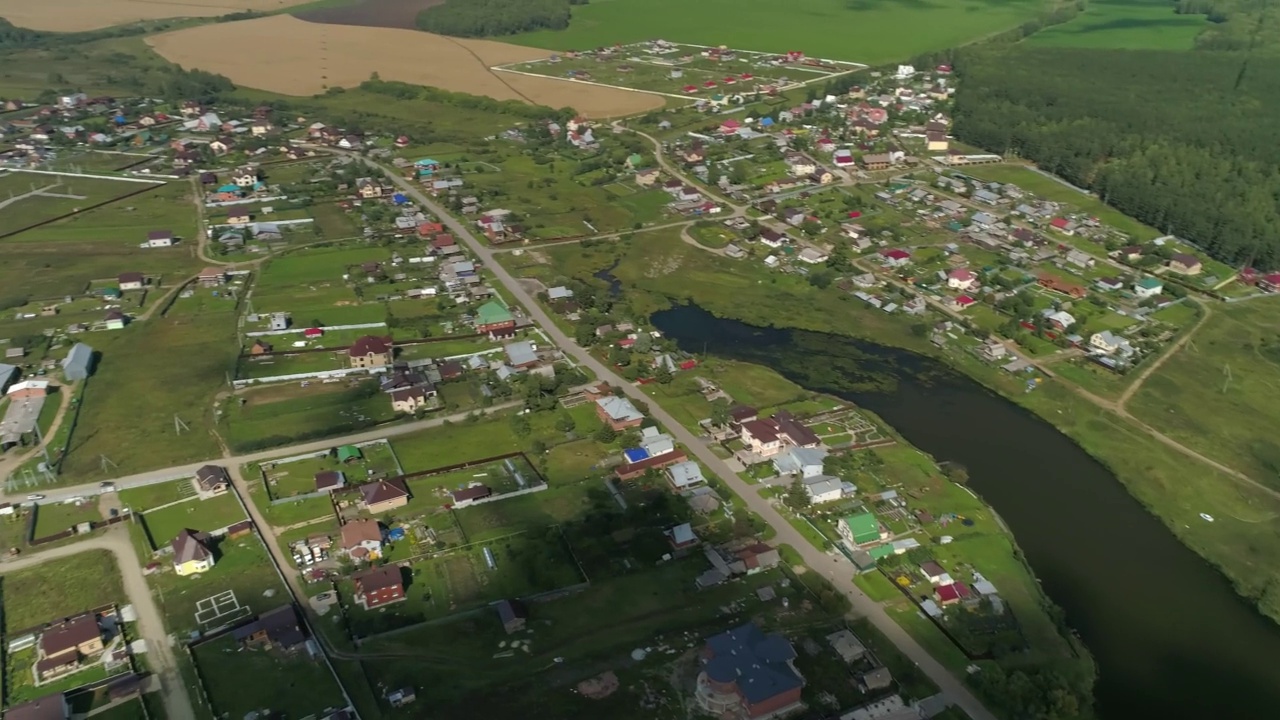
point(663, 374)
point(797, 498)
point(605, 434)
point(821, 278)
point(520, 425)
point(720, 413)
point(565, 423)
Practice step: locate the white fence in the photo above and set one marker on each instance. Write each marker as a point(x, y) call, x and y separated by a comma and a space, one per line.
point(323, 374)
point(361, 326)
point(88, 175)
point(245, 201)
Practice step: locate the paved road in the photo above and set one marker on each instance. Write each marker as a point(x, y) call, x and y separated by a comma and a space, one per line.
point(839, 570)
point(159, 655)
point(152, 477)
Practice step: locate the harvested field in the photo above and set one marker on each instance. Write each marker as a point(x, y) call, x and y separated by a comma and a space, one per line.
point(286, 55)
point(79, 15)
point(371, 13)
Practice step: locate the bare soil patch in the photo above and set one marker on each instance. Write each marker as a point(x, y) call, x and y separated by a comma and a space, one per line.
point(371, 13)
point(80, 15)
point(289, 56)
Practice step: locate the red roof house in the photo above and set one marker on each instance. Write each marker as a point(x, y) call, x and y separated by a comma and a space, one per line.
point(312, 333)
point(709, 84)
point(691, 88)
point(953, 593)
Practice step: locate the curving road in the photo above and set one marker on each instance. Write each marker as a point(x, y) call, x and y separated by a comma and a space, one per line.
point(839, 569)
point(150, 624)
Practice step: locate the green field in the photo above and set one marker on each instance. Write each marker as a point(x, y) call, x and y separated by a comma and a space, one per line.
point(145, 497)
point(58, 588)
point(300, 686)
point(168, 366)
point(65, 194)
point(203, 515)
point(53, 518)
point(308, 416)
point(1125, 24)
point(1220, 390)
point(863, 31)
point(242, 566)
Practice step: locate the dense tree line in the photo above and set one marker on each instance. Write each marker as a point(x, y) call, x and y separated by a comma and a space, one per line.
point(1186, 142)
point(489, 18)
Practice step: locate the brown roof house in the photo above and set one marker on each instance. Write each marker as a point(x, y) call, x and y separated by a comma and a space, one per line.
point(65, 644)
point(370, 352)
point(379, 586)
point(49, 707)
point(191, 554)
point(330, 480)
point(275, 630)
point(383, 496)
point(1185, 264)
point(362, 539)
point(212, 480)
point(513, 614)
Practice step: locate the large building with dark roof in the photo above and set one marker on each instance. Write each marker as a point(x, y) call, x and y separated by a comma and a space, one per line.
point(749, 674)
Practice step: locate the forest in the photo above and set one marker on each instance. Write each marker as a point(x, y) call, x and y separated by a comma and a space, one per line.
point(490, 18)
point(1185, 141)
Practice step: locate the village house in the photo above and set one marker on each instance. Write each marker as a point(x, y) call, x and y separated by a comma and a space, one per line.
point(191, 555)
point(1147, 287)
point(276, 629)
point(767, 437)
point(470, 495)
point(378, 586)
point(212, 480)
point(48, 707)
point(492, 317)
point(992, 350)
point(212, 277)
point(383, 496)
point(368, 188)
point(823, 488)
point(684, 475)
point(1056, 284)
point(799, 166)
point(370, 352)
point(513, 615)
point(861, 528)
point(1108, 343)
point(895, 257)
point(1185, 264)
point(362, 539)
point(618, 413)
point(64, 645)
point(159, 238)
point(408, 400)
point(748, 674)
point(1059, 319)
point(330, 480)
point(961, 279)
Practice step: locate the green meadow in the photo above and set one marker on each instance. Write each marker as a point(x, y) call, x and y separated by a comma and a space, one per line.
point(1125, 25)
point(867, 31)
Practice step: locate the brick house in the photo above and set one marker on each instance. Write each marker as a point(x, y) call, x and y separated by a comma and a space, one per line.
point(748, 674)
point(378, 587)
point(370, 351)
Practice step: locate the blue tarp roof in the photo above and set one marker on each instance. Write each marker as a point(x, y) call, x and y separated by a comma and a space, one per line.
point(229, 188)
point(399, 199)
point(635, 455)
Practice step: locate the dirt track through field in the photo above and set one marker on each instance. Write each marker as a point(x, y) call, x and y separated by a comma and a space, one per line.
point(79, 15)
point(286, 55)
point(371, 13)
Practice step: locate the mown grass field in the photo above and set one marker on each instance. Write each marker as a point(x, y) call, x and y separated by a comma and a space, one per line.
point(299, 686)
point(58, 588)
point(1125, 24)
point(866, 31)
point(149, 373)
point(1219, 393)
point(65, 194)
point(203, 515)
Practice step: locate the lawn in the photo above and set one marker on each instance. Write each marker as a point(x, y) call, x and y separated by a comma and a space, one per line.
point(145, 497)
point(526, 564)
point(259, 425)
point(59, 588)
point(187, 352)
point(299, 685)
point(126, 223)
point(53, 518)
point(63, 194)
point(1050, 189)
point(298, 477)
point(861, 31)
point(242, 566)
point(204, 515)
point(1125, 24)
point(1219, 392)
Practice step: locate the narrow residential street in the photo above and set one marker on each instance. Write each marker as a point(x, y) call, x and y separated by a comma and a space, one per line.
point(838, 569)
point(160, 656)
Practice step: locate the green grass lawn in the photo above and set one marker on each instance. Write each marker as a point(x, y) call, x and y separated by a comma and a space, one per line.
point(146, 497)
point(125, 416)
point(203, 515)
point(1218, 392)
point(1125, 24)
point(241, 566)
point(65, 194)
point(59, 588)
point(299, 686)
point(53, 518)
point(259, 425)
point(861, 31)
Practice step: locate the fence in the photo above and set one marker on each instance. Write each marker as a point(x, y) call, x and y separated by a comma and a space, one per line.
point(87, 175)
point(246, 201)
point(93, 525)
point(361, 326)
point(151, 185)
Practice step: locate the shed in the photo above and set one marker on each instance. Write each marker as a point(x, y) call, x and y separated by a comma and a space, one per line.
point(78, 364)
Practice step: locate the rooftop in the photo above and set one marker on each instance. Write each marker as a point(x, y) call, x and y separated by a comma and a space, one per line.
point(758, 664)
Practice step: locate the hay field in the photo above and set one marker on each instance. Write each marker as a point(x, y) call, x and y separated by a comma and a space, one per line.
point(289, 56)
point(79, 15)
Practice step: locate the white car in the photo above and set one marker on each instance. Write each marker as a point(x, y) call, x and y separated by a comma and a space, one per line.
point(35, 497)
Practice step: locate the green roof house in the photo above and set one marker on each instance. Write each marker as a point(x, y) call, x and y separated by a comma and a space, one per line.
point(859, 528)
point(636, 161)
point(1147, 287)
point(347, 453)
point(493, 316)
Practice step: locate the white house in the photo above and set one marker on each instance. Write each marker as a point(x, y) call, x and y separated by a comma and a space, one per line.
point(823, 488)
point(1060, 319)
point(685, 475)
point(961, 279)
point(1147, 287)
point(805, 462)
point(1108, 343)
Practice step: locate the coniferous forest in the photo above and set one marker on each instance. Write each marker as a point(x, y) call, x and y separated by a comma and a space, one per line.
point(1188, 142)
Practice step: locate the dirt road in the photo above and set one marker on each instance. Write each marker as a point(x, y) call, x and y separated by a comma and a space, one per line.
point(150, 623)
